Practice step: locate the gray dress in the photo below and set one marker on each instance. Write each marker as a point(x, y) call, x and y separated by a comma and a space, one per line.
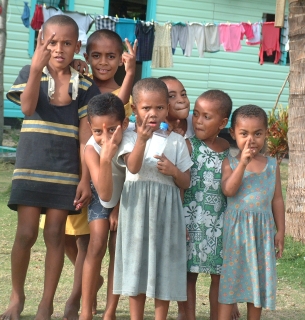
point(151, 239)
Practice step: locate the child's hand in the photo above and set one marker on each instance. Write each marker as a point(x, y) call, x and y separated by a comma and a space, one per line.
point(279, 244)
point(42, 54)
point(113, 218)
point(177, 129)
point(246, 155)
point(144, 131)
point(83, 195)
point(110, 143)
point(129, 58)
point(165, 166)
point(80, 66)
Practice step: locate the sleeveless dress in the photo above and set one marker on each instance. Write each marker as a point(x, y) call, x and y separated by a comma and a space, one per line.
point(204, 205)
point(249, 263)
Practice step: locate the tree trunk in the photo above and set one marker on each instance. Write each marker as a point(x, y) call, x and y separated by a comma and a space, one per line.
point(295, 204)
point(2, 54)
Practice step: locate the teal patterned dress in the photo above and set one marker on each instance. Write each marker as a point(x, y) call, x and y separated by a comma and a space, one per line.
point(204, 206)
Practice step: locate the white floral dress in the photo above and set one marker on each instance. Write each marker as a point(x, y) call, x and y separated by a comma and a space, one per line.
point(204, 206)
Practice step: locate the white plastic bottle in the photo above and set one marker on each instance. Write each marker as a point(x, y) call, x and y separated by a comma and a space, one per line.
point(158, 141)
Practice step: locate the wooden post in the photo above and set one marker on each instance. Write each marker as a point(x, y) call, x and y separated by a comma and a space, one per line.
point(280, 13)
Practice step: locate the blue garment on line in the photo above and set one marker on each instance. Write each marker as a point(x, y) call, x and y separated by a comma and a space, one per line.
point(125, 28)
point(26, 15)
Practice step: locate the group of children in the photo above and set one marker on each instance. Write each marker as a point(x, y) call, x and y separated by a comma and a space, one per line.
point(168, 216)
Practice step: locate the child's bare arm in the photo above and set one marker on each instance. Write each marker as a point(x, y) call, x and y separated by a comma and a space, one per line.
point(113, 218)
point(129, 60)
point(42, 55)
point(278, 210)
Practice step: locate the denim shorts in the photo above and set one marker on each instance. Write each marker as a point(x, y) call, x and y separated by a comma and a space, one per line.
point(96, 209)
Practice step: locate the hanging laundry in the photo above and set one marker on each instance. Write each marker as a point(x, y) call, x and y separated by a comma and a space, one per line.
point(270, 42)
point(195, 32)
point(145, 36)
point(211, 35)
point(37, 20)
point(162, 51)
point(84, 22)
point(105, 22)
point(248, 31)
point(26, 15)
point(126, 28)
point(179, 34)
point(230, 35)
point(256, 28)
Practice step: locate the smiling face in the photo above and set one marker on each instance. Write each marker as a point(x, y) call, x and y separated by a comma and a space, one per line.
point(207, 119)
point(252, 128)
point(179, 104)
point(104, 58)
point(154, 103)
point(63, 45)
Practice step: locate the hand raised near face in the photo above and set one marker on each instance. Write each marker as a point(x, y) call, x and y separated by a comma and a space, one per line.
point(144, 131)
point(247, 154)
point(129, 58)
point(42, 54)
point(111, 143)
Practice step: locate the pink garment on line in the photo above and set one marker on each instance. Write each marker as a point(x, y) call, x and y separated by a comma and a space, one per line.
point(270, 42)
point(230, 35)
point(256, 28)
point(248, 31)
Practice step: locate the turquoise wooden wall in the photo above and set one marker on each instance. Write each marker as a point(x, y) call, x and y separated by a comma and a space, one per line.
point(239, 74)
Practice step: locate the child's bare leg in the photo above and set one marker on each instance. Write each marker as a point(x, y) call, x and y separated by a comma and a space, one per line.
point(190, 304)
point(213, 296)
point(253, 313)
point(54, 237)
point(136, 307)
point(92, 265)
point(26, 235)
point(235, 312)
point(73, 303)
point(161, 309)
point(224, 311)
point(181, 311)
point(71, 250)
point(112, 299)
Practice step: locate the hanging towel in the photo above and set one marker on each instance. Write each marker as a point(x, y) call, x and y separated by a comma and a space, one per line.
point(230, 35)
point(145, 36)
point(105, 22)
point(179, 34)
point(248, 31)
point(37, 20)
point(162, 51)
point(270, 42)
point(211, 35)
point(256, 28)
point(26, 15)
point(195, 32)
point(126, 28)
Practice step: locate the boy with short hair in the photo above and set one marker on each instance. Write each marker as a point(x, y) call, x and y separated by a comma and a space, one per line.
point(54, 99)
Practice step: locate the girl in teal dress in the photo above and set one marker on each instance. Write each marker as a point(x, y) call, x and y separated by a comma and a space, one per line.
point(254, 223)
point(204, 203)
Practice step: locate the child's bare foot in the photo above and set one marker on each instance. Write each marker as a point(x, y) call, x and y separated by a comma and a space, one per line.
point(106, 317)
point(44, 312)
point(181, 316)
point(94, 307)
point(14, 309)
point(235, 312)
point(71, 310)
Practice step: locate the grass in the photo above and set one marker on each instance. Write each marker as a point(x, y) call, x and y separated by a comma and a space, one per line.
point(291, 279)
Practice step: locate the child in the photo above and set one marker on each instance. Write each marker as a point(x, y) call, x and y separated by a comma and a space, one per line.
point(252, 184)
point(178, 118)
point(204, 202)
point(46, 177)
point(107, 121)
point(150, 249)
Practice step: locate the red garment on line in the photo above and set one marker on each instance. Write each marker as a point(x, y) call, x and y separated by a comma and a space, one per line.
point(37, 20)
point(270, 42)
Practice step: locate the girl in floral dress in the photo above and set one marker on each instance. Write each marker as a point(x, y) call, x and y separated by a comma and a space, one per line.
point(204, 202)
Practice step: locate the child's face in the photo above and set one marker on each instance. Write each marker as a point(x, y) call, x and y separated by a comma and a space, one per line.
point(104, 58)
point(252, 129)
point(207, 120)
point(103, 127)
point(153, 103)
point(63, 45)
point(179, 104)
